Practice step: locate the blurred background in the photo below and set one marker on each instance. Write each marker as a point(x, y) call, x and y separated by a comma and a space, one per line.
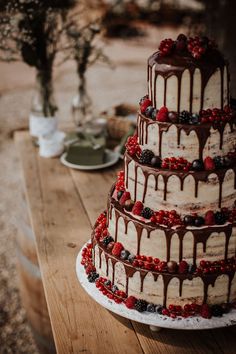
point(129, 31)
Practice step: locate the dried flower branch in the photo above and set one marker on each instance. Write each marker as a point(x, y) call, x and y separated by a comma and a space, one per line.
point(29, 31)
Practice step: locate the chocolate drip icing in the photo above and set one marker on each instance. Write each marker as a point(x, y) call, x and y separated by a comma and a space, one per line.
point(201, 176)
point(175, 65)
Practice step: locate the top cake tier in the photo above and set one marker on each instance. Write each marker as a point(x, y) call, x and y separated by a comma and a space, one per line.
point(180, 77)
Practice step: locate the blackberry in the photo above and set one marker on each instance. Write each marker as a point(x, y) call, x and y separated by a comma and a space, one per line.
point(154, 114)
point(147, 213)
point(107, 240)
point(124, 254)
point(146, 156)
point(114, 288)
point(131, 258)
point(107, 283)
point(217, 311)
point(184, 117)
point(119, 194)
point(141, 305)
point(151, 308)
point(159, 309)
point(92, 277)
point(148, 111)
point(194, 119)
point(220, 218)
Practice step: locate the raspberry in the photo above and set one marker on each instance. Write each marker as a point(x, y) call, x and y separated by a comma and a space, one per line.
point(209, 164)
point(125, 196)
point(162, 115)
point(130, 302)
point(117, 248)
point(183, 267)
point(137, 208)
point(90, 268)
point(209, 218)
point(144, 105)
point(166, 47)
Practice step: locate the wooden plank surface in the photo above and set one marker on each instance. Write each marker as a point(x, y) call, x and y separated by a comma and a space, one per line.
point(63, 204)
point(61, 227)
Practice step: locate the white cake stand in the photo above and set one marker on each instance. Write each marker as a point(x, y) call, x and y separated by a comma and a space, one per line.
point(155, 321)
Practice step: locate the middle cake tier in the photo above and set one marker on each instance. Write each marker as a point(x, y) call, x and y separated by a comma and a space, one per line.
point(185, 192)
point(193, 244)
point(189, 141)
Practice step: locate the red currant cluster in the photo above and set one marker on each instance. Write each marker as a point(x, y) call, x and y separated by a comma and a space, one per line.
point(132, 146)
point(176, 163)
point(196, 48)
point(216, 267)
point(166, 46)
point(149, 263)
point(110, 291)
point(87, 258)
point(100, 230)
point(120, 181)
point(216, 115)
point(167, 218)
point(187, 310)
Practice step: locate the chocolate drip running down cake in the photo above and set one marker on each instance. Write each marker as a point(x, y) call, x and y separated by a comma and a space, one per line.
point(167, 240)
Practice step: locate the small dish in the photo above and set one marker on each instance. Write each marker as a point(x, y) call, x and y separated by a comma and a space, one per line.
point(111, 158)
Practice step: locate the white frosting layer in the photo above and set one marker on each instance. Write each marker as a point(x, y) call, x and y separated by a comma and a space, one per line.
point(183, 201)
point(189, 144)
point(153, 291)
point(211, 97)
point(156, 244)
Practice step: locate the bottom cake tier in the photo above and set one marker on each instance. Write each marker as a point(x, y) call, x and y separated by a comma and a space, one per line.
point(147, 283)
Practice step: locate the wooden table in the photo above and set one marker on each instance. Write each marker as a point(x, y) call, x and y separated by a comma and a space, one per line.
point(63, 204)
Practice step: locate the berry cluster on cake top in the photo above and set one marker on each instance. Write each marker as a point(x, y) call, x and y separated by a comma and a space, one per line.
point(195, 46)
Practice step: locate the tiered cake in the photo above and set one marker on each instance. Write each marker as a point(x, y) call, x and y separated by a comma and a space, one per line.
point(168, 239)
